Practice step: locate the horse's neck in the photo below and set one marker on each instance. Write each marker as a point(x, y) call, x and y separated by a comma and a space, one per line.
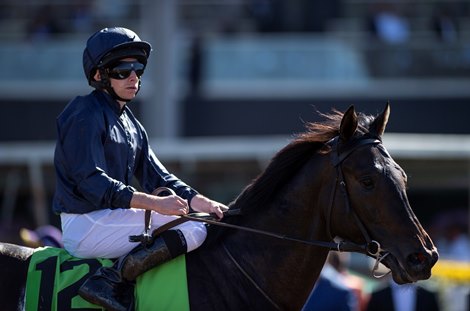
point(286, 270)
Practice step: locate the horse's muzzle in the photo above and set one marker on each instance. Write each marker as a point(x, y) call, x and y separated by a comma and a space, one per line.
point(422, 262)
point(416, 266)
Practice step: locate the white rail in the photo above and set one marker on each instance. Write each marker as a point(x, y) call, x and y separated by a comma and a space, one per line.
point(36, 155)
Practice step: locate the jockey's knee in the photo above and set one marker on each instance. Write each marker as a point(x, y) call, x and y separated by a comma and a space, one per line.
point(194, 232)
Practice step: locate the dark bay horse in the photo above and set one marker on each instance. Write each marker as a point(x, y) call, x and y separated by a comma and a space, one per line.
point(334, 180)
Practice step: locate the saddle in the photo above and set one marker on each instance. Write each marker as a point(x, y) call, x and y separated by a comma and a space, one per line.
point(54, 277)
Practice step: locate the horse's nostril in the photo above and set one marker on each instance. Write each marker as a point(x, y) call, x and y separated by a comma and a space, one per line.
point(417, 259)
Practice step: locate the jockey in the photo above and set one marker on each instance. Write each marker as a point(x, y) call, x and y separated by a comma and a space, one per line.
point(101, 148)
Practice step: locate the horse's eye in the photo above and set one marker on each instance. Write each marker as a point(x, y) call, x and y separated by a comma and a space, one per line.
point(367, 183)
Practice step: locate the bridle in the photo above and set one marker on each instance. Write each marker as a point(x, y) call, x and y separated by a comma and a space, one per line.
point(371, 247)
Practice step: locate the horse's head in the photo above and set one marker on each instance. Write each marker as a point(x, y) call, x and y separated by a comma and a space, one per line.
point(371, 191)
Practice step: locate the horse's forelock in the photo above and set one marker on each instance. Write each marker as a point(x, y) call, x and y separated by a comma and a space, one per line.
point(328, 128)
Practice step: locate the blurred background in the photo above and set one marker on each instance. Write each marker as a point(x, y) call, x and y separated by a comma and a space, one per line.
point(229, 82)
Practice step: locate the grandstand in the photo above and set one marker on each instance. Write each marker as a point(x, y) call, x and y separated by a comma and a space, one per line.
point(229, 82)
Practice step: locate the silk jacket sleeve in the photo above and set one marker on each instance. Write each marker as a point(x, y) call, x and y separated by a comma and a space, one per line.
point(87, 178)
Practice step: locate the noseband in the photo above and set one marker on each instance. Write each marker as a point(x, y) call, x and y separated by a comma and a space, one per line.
point(372, 247)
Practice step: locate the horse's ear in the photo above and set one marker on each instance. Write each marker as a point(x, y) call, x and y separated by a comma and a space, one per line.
point(348, 124)
point(380, 123)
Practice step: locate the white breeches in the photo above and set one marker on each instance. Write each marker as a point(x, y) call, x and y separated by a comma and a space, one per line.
point(105, 233)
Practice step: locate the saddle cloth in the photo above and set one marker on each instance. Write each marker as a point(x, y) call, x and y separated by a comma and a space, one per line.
point(54, 277)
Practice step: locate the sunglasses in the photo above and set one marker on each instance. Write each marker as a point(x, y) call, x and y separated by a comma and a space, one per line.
point(124, 69)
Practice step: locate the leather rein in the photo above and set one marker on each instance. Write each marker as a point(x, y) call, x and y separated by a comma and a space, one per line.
point(371, 247)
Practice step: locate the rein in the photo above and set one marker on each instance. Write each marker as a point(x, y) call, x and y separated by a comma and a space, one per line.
point(371, 247)
point(342, 246)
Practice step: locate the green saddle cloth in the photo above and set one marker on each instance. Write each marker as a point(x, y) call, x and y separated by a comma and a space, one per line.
point(54, 277)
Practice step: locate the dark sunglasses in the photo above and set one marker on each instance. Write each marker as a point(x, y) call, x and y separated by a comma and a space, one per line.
point(124, 69)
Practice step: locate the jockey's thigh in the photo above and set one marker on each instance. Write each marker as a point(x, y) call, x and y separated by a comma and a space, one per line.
point(105, 233)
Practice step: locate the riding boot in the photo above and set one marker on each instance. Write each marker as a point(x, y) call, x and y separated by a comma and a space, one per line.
point(113, 287)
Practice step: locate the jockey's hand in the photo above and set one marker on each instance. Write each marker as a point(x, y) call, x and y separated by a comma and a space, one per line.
point(170, 205)
point(202, 204)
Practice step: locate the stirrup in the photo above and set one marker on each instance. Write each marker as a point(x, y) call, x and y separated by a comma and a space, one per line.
point(108, 294)
point(145, 238)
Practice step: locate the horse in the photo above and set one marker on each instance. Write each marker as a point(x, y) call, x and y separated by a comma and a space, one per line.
point(333, 187)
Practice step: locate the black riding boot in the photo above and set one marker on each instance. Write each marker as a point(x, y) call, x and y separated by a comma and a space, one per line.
point(113, 287)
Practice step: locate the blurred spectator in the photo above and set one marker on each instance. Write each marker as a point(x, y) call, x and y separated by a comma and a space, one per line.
point(267, 14)
point(452, 239)
point(387, 24)
point(410, 297)
point(44, 24)
point(293, 15)
point(81, 17)
point(335, 289)
point(317, 14)
point(195, 66)
point(444, 24)
point(43, 236)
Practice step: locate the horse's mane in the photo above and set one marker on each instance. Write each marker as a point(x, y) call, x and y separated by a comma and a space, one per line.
point(286, 163)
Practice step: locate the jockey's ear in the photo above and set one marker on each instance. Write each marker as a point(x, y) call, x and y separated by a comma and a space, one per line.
point(97, 76)
point(348, 124)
